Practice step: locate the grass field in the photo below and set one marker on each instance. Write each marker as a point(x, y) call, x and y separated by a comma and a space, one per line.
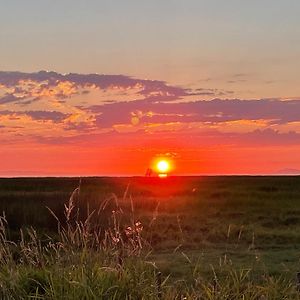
point(190, 225)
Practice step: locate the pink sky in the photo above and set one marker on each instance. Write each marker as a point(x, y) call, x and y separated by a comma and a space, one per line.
point(77, 124)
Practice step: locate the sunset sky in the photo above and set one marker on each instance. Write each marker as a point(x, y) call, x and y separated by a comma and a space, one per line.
point(104, 87)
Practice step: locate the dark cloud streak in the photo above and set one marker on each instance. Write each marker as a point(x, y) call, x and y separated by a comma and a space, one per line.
point(273, 110)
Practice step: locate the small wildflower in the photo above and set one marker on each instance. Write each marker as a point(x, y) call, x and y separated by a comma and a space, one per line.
point(128, 231)
point(138, 227)
point(116, 240)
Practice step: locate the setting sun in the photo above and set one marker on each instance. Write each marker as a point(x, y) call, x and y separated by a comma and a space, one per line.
point(163, 166)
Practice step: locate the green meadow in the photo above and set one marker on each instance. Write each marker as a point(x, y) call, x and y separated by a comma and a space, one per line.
point(234, 237)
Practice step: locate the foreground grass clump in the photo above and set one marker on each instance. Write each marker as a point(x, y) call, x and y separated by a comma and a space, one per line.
point(136, 281)
point(86, 261)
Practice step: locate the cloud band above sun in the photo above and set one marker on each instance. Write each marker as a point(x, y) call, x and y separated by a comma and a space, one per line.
point(48, 108)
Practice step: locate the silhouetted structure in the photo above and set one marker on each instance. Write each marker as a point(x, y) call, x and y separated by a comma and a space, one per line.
point(148, 172)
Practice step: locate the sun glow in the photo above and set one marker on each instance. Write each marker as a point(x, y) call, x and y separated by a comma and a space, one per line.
point(162, 175)
point(163, 166)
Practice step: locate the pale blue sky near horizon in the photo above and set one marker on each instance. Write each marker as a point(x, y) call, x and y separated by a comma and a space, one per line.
point(182, 42)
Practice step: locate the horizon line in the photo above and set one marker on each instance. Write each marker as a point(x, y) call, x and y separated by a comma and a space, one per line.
point(142, 176)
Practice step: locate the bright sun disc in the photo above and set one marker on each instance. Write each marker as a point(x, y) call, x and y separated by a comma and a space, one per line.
point(163, 166)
